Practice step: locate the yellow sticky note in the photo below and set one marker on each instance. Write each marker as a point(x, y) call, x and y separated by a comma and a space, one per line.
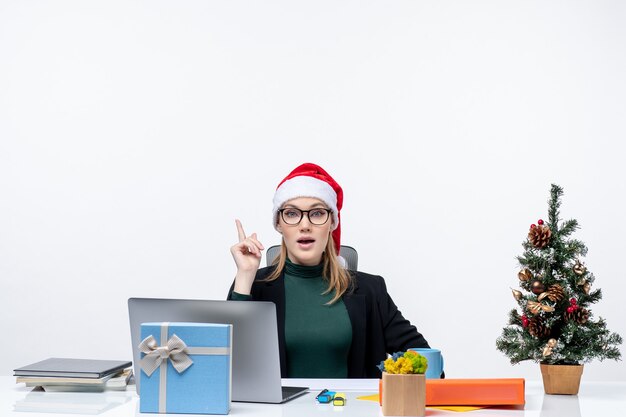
point(373, 397)
point(458, 408)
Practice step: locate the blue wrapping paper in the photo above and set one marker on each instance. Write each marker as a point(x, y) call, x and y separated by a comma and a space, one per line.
point(202, 388)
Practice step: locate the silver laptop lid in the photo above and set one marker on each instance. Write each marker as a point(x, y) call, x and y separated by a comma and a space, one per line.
point(256, 363)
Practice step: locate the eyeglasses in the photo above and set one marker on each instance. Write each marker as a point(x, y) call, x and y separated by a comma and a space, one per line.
point(293, 216)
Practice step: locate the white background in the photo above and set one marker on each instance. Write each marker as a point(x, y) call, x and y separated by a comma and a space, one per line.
point(133, 133)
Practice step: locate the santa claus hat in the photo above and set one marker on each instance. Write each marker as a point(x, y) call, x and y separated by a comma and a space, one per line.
point(310, 180)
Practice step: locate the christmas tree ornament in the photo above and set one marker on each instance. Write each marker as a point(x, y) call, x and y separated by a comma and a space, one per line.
point(540, 222)
point(525, 275)
point(535, 308)
point(577, 314)
point(572, 306)
point(547, 350)
point(537, 287)
point(524, 321)
point(555, 293)
point(537, 327)
point(579, 268)
point(585, 284)
point(540, 236)
point(516, 294)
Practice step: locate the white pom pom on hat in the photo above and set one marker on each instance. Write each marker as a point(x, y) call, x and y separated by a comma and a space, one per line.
point(310, 180)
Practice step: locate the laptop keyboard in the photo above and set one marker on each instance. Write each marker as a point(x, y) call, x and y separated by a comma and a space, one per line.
point(290, 391)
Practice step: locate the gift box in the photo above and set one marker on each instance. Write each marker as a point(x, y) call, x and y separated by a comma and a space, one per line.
point(471, 392)
point(495, 391)
point(185, 368)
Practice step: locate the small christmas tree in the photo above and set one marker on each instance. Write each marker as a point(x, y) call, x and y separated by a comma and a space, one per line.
point(556, 325)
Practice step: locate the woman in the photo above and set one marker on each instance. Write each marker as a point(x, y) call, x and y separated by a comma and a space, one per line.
point(332, 323)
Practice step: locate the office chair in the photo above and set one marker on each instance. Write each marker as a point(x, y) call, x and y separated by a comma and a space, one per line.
point(346, 252)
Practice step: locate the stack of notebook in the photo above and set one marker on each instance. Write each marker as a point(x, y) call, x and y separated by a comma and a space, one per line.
point(65, 374)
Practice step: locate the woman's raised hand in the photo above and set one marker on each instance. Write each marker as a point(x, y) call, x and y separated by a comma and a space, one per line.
point(247, 256)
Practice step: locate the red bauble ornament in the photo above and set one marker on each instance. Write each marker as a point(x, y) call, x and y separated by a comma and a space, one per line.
point(532, 226)
point(524, 321)
point(539, 222)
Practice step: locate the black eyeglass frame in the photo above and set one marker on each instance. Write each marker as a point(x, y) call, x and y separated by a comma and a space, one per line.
point(302, 212)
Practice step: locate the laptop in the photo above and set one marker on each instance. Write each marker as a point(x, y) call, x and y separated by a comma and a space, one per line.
point(256, 362)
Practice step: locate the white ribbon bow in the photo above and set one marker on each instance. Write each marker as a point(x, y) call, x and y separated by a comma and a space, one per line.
point(175, 350)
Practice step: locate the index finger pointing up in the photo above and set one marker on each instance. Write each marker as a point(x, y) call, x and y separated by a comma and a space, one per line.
point(240, 232)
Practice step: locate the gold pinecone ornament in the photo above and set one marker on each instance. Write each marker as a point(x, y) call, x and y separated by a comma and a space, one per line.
point(537, 327)
point(539, 234)
point(555, 293)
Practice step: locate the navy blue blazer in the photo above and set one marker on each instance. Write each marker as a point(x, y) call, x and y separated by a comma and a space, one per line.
point(378, 327)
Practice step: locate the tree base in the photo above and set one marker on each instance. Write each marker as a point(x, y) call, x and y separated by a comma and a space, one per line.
point(561, 379)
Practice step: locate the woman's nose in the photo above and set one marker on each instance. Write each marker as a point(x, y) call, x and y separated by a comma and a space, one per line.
point(305, 223)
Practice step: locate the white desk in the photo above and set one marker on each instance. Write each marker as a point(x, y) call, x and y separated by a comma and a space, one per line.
point(595, 399)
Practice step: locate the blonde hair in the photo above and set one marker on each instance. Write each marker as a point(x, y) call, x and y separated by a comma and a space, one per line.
point(339, 279)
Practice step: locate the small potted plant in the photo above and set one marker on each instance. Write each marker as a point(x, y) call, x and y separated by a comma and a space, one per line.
point(403, 389)
point(553, 323)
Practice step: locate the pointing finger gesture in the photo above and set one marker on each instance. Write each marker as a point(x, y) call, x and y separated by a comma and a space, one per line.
point(247, 252)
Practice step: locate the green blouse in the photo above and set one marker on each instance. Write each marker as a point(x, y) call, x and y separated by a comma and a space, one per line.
point(317, 336)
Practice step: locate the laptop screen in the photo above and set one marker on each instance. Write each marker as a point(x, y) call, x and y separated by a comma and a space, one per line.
point(256, 364)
